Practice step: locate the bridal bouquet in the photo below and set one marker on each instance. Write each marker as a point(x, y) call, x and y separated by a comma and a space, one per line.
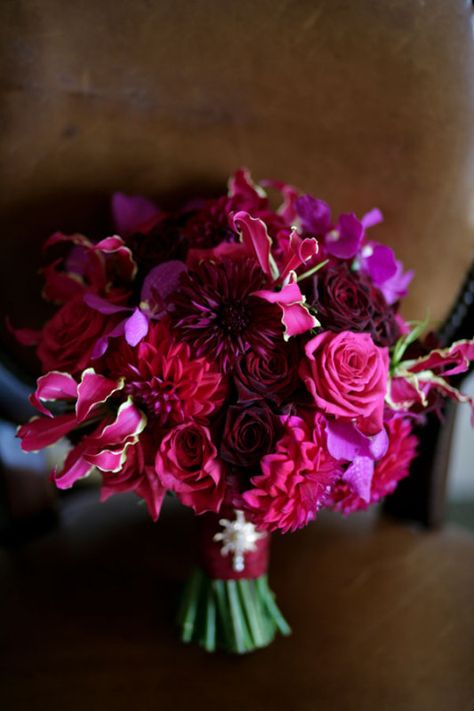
point(248, 358)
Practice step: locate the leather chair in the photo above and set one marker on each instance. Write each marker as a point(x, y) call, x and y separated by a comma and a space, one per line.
point(363, 104)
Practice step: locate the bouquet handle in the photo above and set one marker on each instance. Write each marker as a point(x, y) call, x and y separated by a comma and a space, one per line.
point(227, 603)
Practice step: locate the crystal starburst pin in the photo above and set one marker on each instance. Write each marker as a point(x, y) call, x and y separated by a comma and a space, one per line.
point(238, 537)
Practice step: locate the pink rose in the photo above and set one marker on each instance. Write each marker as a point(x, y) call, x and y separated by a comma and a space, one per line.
point(187, 464)
point(346, 373)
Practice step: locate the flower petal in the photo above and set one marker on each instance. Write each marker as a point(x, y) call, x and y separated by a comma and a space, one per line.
point(40, 432)
point(359, 476)
point(136, 327)
point(52, 387)
point(296, 317)
point(129, 212)
point(93, 390)
point(254, 236)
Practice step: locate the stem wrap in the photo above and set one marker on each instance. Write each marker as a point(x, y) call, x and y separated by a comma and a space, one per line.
point(220, 567)
point(229, 609)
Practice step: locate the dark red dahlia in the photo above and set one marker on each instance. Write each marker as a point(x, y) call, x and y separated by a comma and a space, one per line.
point(215, 311)
point(347, 300)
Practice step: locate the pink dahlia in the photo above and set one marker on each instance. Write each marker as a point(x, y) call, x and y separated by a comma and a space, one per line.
point(393, 466)
point(295, 480)
point(215, 309)
point(165, 380)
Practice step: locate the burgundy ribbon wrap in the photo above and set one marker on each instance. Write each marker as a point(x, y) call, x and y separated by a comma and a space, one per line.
point(220, 567)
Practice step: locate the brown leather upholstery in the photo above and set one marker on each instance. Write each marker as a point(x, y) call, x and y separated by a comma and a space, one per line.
point(365, 103)
point(382, 618)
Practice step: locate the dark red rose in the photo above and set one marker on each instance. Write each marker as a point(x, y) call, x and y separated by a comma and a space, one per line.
point(272, 376)
point(347, 300)
point(68, 339)
point(249, 434)
point(160, 242)
point(209, 225)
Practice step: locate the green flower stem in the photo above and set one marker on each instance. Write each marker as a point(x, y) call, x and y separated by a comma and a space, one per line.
point(237, 616)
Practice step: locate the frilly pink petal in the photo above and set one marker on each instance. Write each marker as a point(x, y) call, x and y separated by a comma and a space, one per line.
point(446, 361)
point(296, 317)
point(115, 245)
point(254, 236)
point(52, 387)
point(94, 389)
point(244, 191)
point(128, 424)
point(40, 432)
point(75, 467)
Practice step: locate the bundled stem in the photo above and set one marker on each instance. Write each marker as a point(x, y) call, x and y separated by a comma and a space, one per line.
point(237, 616)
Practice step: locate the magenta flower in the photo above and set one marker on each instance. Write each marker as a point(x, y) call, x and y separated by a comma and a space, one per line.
point(296, 317)
point(415, 383)
point(132, 213)
point(216, 310)
point(105, 447)
point(106, 268)
point(342, 240)
point(187, 464)
point(346, 443)
point(296, 479)
point(388, 470)
point(315, 215)
point(379, 262)
point(346, 374)
point(157, 287)
point(137, 475)
point(396, 287)
point(166, 380)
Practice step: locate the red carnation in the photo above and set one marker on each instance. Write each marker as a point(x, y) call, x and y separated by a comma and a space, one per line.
point(295, 480)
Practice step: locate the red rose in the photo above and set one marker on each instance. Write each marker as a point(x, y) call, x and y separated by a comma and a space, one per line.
point(187, 464)
point(346, 373)
point(68, 339)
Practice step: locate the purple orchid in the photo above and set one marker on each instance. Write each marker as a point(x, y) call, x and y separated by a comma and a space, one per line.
point(342, 240)
point(158, 285)
point(130, 212)
point(346, 443)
